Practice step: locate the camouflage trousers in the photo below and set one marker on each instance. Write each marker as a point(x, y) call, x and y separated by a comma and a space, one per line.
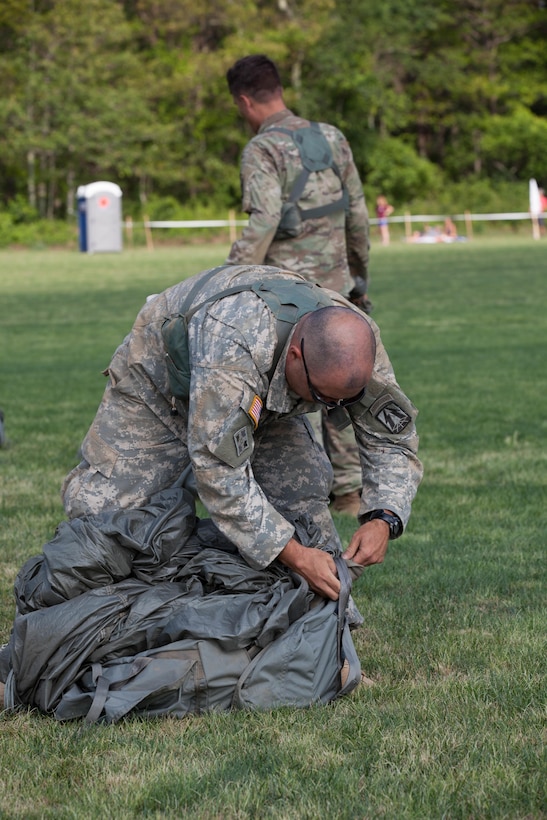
point(136, 448)
point(342, 451)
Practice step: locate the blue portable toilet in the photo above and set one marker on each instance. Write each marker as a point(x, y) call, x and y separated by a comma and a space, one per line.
point(100, 217)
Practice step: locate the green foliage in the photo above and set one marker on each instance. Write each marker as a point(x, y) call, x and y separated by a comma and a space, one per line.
point(397, 172)
point(164, 208)
point(428, 93)
point(516, 146)
point(478, 196)
point(37, 234)
point(20, 210)
point(6, 230)
point(455, 620)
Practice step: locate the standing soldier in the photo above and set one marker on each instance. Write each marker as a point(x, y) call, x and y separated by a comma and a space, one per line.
point(307, 213)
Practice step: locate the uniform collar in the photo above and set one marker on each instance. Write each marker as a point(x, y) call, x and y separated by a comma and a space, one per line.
point(274, 118)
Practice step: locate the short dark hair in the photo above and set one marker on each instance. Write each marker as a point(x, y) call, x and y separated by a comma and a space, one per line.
point(256, 76)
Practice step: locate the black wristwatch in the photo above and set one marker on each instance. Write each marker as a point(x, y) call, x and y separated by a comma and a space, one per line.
point(394, 522)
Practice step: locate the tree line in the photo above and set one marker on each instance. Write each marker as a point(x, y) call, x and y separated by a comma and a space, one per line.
point(435, 97)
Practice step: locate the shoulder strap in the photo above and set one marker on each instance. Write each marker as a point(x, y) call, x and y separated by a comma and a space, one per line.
point(288, 301)
point(316, 155)
point(201, 282)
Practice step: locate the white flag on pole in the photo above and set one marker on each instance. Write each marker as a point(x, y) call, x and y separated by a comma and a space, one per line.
point(535, 199)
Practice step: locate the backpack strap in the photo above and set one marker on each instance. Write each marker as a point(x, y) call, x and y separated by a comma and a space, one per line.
point(199, 285)
point(288, 301)
point(315, 155)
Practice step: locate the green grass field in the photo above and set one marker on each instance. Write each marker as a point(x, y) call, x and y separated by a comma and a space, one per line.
point(455, 619)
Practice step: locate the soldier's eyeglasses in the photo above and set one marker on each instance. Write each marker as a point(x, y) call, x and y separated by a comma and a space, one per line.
point(329, 403)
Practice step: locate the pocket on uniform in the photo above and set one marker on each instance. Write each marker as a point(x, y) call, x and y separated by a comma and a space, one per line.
point(99, 455)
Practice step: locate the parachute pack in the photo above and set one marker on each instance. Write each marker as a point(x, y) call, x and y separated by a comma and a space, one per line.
point(316, 156)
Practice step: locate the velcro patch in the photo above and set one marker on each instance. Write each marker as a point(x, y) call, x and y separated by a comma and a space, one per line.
point(241, 441)
point(393, 417)
point(255, 410)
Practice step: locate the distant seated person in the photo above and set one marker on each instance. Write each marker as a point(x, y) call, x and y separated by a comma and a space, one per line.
point(429, 236)
point(450, 232)
point(433, 235)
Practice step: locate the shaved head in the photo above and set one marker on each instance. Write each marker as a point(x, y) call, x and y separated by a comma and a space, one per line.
point(339, 342)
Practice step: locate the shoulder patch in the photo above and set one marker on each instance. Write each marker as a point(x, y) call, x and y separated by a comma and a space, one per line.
point(255, 410)
point(241, 441)
point(393, 417)
point(237, 443)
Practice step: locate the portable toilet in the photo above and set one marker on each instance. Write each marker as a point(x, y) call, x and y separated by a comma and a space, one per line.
point(100, 217)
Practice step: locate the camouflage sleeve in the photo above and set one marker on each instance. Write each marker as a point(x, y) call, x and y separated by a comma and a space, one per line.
point(232, 348)
point(262, 199)
point(357, 223)
point(384, 424)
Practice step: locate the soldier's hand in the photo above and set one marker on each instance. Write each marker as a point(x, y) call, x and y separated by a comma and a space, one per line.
point(369, 543)
point(315, 566)
point(358, 295)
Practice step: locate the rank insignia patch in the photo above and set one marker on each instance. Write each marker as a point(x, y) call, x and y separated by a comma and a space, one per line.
point(241, 440)
point(393, 417)
point(255, 410)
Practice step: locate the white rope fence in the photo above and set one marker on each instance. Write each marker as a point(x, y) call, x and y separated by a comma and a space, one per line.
point(407, 219)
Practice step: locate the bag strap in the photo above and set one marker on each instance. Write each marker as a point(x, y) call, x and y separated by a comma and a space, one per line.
point(279, 295)
point(199, 285)
point(103, 686)
point(343, 599)
point(345, 646)
point(316, 163)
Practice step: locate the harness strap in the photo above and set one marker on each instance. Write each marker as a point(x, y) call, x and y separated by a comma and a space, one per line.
point(199, 285)
point(288, 301)
point(320, 160)
point(280, 296)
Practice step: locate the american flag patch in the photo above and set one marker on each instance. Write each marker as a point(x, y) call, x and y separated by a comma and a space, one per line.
point(255, 410)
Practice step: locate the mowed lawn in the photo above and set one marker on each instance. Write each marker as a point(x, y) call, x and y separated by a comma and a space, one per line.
point(455, 619)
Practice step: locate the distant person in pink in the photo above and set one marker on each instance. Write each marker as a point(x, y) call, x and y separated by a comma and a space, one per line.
point(383, 210)
point(543, 206)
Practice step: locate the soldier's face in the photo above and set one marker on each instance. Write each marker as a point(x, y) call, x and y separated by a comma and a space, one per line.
point(325, 388)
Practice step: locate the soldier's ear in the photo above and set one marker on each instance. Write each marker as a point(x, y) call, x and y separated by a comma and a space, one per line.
point(244, 102)
point(294, 372)
point(294, 354)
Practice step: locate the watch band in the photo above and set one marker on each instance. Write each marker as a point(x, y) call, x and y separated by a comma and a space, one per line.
point(393, 521)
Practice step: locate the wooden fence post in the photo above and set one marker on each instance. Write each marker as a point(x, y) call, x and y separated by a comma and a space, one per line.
point(232, 226)
point(148, 233)
point(408, 225)
point(468, 225)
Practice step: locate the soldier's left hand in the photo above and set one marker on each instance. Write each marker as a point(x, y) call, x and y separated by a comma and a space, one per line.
point(369, 543)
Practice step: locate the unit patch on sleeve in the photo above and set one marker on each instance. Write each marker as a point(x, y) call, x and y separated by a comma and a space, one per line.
point(393, 417)
point(241, 440)
point(236, 443)
point(255, 410)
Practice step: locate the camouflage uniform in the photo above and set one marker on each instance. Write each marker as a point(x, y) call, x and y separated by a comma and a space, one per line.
point(244, 433)
point(330, 250)
point(327, 251)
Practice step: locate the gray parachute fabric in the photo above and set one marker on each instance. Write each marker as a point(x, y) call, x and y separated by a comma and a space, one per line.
point(303, 665)
point(150, 611)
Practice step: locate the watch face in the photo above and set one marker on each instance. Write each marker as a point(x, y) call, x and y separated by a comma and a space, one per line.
point(391, 520)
